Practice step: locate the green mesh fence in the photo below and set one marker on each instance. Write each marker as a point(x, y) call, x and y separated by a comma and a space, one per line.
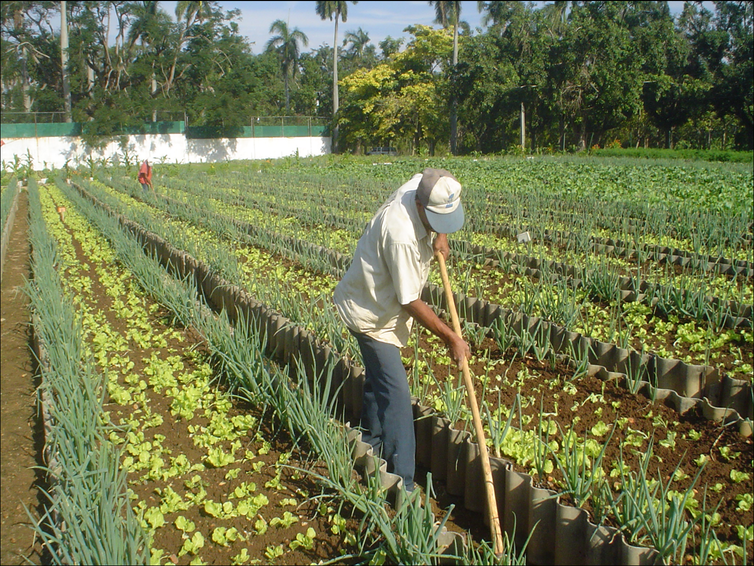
point(63, 129)
point(286, 127)
point(267, 127)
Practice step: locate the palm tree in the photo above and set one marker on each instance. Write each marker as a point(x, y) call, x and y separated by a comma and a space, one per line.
point(358, 40)
point(448, 13)
point(337, 11)
point(194, 10)
point(556, 15)
point(286, 44)
point(144, 12)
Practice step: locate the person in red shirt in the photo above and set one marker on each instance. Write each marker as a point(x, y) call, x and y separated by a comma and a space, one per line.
point(145, 175)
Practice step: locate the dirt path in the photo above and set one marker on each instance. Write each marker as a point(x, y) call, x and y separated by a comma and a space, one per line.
point(21, 438)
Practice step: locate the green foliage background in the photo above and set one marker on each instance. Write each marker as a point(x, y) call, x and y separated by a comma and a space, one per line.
point(583, 74)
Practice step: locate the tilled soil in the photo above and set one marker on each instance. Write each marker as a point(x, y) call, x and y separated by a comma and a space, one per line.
point(22, 437)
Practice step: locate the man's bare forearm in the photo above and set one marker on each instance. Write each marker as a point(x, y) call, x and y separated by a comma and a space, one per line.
point(422, 312)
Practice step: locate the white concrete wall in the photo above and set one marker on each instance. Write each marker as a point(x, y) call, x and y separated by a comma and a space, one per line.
point(158, 148)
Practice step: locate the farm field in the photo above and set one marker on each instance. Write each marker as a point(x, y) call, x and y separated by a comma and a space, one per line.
point(652, 264)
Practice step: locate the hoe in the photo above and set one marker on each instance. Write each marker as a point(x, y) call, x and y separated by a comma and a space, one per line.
point(497, 536)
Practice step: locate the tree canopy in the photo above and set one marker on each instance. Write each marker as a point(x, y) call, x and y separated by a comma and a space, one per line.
point(560, 76)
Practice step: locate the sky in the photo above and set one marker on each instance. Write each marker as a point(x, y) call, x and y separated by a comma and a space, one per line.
point(378, 18)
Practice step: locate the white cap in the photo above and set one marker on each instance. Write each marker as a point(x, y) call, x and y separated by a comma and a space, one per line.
point(440, 194)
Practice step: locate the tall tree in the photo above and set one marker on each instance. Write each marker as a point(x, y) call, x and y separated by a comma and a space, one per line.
point(399, 102)
point(24, 52)
point(286, 45)
point(448, 14)
point(64, 59)
point(485, 78)
point(602, 78)
point(390, 46)
point(314, 95)
point(188, 13)
point(337, 11)
point(733, 91)
point(358, 52)
point(194, 10)
point(670, 95)
point(146, 28)
point(27, 48)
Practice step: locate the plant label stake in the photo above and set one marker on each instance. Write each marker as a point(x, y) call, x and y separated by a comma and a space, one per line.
point(497, 535)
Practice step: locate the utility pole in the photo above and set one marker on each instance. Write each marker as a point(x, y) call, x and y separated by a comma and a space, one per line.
point(523, 117)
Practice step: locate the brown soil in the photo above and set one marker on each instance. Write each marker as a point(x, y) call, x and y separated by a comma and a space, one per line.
point(21, 432)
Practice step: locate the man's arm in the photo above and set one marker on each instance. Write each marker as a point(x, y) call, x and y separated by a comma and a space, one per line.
point(422, 312)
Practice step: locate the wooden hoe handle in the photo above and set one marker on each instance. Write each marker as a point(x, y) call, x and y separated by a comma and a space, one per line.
point(497, 536)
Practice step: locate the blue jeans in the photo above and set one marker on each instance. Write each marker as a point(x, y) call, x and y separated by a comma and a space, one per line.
point(387, 415)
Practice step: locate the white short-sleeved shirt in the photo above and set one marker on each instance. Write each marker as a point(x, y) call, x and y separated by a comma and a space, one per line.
point(390, 268)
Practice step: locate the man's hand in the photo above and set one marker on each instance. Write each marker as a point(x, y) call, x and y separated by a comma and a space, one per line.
point(459, 349)
point(441, 245)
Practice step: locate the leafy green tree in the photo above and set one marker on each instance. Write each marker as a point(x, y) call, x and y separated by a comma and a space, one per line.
point(149, 26)
point(485, 78)
point(400, 102)
point(527, 43)
point(497, 14)
point(27, 56)
point(448, 14)
point(510, 74)
point(733, 91)
point(600, 85)
point(286, 45)
point(334, 10)
point(90, 32)
point(671, 95)
point(64, 59)
point(215, 86)
point(390, 46)
point(191, 14)
point(314, 96)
